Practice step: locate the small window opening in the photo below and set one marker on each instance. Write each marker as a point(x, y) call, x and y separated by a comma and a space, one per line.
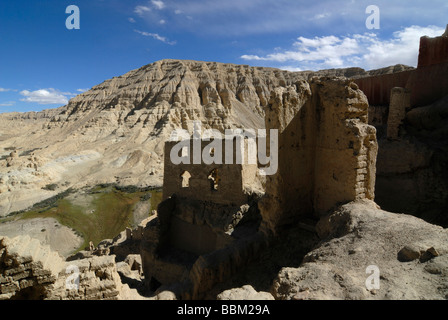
point(185, 179)
point(214, 179)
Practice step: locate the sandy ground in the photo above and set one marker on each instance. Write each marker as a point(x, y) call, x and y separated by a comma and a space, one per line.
point(47, 230)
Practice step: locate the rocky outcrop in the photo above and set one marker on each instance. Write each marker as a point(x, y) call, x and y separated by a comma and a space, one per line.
point(361, 242)
point(244, 293)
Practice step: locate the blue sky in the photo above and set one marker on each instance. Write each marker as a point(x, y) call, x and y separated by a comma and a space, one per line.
point(43, 64)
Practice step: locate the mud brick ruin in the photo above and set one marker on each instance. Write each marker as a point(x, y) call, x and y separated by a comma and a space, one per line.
point(215, 219)
point(209, 224)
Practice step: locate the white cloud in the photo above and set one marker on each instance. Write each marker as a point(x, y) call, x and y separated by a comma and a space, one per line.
point(156, 36)
point(363, 50)
point(46, 96)
point(131, 20)
point(266, 17)
point(290, 68)
point(4, 90)
point(162, 21)
point(321, 16)
point(7, 104)
point(329, 50)
point(402, 48)
point(82, 90)
point(141, 10)
point(158, 4)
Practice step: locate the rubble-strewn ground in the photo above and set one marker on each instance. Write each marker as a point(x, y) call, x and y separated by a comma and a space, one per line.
point(360, 235)
point(411, 256)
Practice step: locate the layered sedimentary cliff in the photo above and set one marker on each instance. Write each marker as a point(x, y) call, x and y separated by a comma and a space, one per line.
point(116, 131)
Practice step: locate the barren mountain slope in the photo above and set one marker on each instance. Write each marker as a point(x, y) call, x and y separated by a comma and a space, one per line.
point(115, 132)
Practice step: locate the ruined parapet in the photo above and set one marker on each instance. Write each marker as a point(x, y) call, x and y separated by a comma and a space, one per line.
point(346, 146)
point(433, 50)
point(203, 201)
point(27, 269)
point(327, 151)
point(377, 87)
point(31, 271)
point(197, 224)
point(289, 191)
point(400, 101)
point(95, 278)
point(219, 182)
point(429, 82)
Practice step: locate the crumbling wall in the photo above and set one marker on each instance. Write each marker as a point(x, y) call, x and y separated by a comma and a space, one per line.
point(217, 183)
point(327, 151)
point(98, 280)
point(346, 146)
point(433, 51)
point(27, 269)
point(411, 170)
point(412, 176)
point(377, 88)
point(289, 191)
point(400, 102)
point(31, 271)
